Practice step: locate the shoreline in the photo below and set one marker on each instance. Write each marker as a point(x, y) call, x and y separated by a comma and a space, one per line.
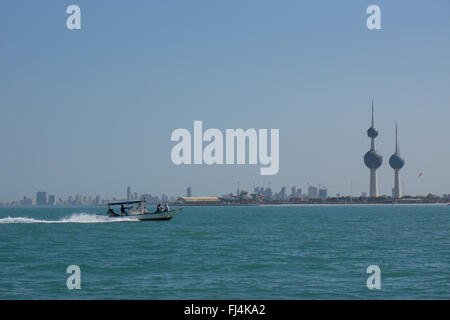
point(354, 204)
point(254, 205)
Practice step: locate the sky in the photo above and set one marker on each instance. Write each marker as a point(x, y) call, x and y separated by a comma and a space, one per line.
point(91, 111)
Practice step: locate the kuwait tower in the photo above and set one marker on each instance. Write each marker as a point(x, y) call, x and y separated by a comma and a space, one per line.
point(373, 159)
point(396, 162)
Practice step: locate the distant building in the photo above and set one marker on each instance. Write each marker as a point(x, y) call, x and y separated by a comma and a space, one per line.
point(149, 199)
point(312, 192)
point(268, 193)
point(243, 195)
point(295, 193)
point(51, 200)
point(26, 202)
point(323, 194)
point(283, 194)
point(189, 192)
point(41, 198)
point(78, 200)
point(128, 193)
point(200, 200)
point(228, 196)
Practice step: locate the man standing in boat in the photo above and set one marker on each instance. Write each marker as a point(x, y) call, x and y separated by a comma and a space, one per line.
point(111, 212)
point(122, 209)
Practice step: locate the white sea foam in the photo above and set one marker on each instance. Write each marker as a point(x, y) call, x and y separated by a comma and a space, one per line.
point(74, 218)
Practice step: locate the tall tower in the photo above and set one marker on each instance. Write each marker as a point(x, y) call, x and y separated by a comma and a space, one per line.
point(373, 159)
point(128, 193)
point(396, 162)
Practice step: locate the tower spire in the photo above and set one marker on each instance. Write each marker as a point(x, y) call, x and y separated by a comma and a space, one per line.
point(396, 138)
point(372, 112)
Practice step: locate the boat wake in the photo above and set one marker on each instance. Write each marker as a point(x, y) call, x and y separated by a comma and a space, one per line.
point(74, 218)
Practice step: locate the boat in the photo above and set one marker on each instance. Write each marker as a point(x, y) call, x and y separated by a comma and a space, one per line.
point(138, 210)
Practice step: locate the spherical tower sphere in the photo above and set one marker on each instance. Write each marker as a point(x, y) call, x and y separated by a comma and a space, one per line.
point(372, 132)
point(373, 159)
point(396, 162)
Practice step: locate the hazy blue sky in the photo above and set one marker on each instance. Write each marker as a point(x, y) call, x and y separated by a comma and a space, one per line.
point(91, 111)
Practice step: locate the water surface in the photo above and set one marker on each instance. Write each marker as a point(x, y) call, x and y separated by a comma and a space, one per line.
point(279, 252)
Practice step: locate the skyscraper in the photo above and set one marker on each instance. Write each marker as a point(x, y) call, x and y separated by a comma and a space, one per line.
point(189, 192)
point(323, 193)
point(128, 193)
point(41, 198)
point(396, 162)
point(373, 159)
point(283, 194)
point(312, 192)
point(51, 200)
point(78, 200)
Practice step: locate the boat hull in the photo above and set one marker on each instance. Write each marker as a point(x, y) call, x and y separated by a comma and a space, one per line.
point(153, 216)
point(166, 215)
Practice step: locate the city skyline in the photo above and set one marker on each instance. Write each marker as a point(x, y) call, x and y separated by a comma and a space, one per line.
point(91, 111)
point(297, 192)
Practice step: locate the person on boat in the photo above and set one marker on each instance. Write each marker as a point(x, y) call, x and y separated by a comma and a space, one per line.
point(159, 207)
point(111, 212)
point(166, 207)
point(122, 209)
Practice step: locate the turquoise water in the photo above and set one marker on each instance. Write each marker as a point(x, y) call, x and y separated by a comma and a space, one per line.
point(303, 252)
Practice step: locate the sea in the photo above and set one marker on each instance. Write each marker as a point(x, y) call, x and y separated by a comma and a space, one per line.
point(235, 252)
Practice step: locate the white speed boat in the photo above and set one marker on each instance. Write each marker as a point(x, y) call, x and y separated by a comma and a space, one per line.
point(139, 211)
